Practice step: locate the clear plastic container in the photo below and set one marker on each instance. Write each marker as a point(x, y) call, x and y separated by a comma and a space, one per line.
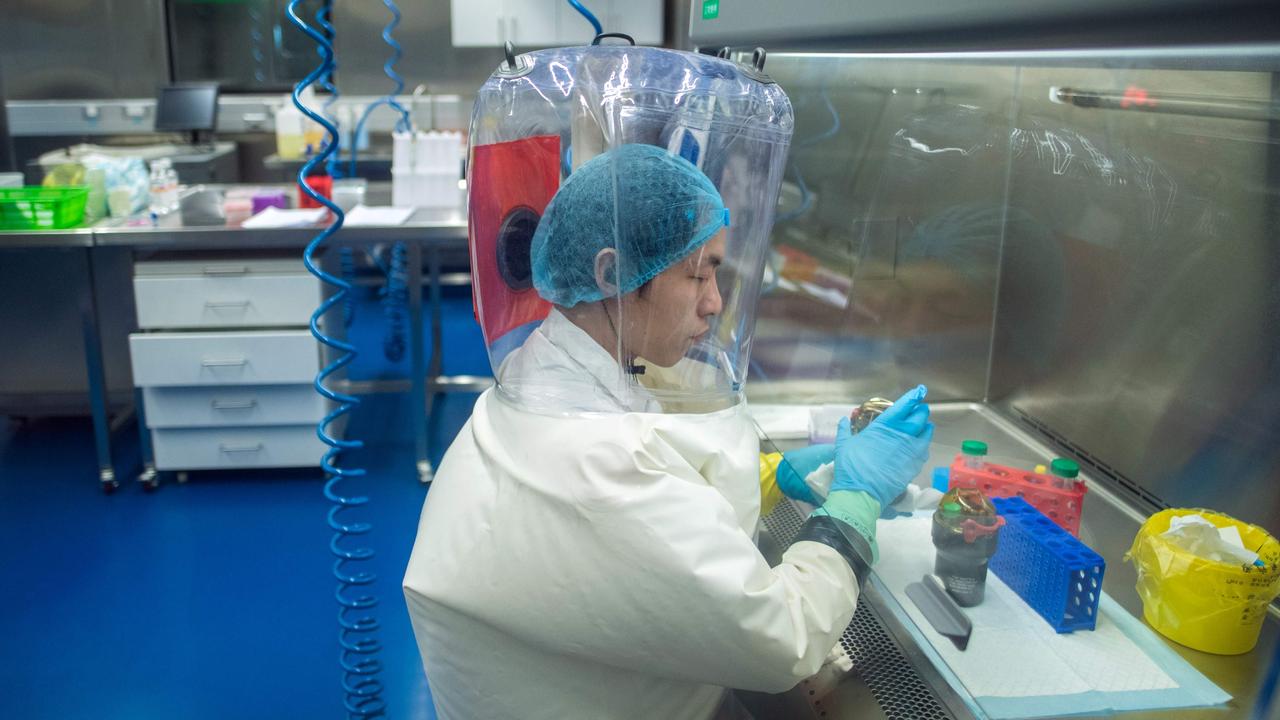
point(95, 207)
point(975, 454)
point(290, 143)
point(297, 135)
point(823, 421)
point(1066, 471)
point(349, 192)
point(171, 187)
point(160, 191)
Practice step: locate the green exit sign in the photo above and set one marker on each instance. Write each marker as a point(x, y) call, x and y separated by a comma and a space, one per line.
point(710, 9)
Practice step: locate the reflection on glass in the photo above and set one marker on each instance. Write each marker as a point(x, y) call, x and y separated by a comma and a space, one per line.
point(888, 235)
point(244, 46)
point(1087, 243)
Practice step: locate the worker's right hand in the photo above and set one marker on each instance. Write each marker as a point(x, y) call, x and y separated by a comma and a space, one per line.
point(884, 458)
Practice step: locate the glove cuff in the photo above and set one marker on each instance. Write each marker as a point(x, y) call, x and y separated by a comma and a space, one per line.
point(852, 546)
point(858, 510)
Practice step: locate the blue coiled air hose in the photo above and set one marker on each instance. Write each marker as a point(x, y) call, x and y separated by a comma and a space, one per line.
point(323, 19)
point(358, 625)
point(333, 166)
point(395, 300)
point(404, 124)
point(256, 38)
point(347, 261)
point(395, 304)
point(591, 18)
point(806, 198)
point(566, 155)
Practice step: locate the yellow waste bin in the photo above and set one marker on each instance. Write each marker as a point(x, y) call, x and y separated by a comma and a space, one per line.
point(1211, 606)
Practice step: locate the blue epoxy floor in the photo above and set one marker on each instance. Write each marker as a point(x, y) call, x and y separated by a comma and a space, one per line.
point(212, 599)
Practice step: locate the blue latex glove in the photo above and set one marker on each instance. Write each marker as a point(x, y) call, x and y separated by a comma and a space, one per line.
point(882, 459)
point(796, 466)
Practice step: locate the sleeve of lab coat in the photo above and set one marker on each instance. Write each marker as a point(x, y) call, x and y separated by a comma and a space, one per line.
point(693, 598)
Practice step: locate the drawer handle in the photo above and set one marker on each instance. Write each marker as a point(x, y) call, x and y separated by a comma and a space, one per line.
point(219, 304)
point(224, 363)
point(226, 270)
point(234, 404)
point(240, 448)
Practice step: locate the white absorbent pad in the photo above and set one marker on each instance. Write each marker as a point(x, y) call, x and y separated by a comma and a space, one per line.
point(1017, 666)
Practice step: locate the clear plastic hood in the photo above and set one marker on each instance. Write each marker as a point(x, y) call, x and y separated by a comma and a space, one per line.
point(621, 201)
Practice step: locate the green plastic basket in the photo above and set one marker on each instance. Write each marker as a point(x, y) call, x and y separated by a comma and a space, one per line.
point(42, 208)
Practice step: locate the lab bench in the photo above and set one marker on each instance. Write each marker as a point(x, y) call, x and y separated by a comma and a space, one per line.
point(107, 313)
point(892, 676)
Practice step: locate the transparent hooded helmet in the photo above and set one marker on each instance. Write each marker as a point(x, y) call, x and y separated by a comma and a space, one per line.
point(621, 201)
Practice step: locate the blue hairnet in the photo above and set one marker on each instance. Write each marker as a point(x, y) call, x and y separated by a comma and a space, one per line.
point(664, 209)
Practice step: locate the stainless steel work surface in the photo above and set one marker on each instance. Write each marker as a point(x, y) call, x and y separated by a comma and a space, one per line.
point(1109, 524)
point(75, 237)
point(424, 224)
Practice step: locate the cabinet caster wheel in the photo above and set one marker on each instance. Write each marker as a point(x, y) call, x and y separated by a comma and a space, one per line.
point(182, 477)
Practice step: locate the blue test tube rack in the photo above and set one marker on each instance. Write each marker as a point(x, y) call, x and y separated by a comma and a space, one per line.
point(1055, 574)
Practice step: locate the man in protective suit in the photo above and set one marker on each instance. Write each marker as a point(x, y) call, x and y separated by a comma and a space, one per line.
point(586, 551)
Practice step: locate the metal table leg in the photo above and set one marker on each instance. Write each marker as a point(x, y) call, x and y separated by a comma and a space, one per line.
point(149, 478)
point(98, 400)
point(418, 394)
point(436, 368)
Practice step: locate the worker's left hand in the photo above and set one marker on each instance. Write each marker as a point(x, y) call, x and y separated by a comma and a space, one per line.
point(796, 467)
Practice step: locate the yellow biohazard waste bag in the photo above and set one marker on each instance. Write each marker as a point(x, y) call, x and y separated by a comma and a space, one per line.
point(1208, 605)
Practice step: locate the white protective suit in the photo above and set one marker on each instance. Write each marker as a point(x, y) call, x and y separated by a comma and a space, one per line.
point(602, 565)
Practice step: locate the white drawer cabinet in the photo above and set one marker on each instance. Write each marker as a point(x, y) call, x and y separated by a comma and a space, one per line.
point(226, 363)
point(236, 447)
point(260, 300)
point(269, 357)
point(175, 407)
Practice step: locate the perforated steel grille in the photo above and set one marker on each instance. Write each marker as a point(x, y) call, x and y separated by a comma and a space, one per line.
point(897, 688)
point(784, 522)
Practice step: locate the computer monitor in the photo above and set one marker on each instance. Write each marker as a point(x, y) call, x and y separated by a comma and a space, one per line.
point(187, 108)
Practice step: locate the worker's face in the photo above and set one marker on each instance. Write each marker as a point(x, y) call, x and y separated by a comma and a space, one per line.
point(665, 318)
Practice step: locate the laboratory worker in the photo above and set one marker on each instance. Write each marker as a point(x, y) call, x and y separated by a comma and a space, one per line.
point(582, 552)
point(587, 548)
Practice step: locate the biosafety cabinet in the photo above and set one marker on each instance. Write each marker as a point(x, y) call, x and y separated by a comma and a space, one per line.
point(1063, 219)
